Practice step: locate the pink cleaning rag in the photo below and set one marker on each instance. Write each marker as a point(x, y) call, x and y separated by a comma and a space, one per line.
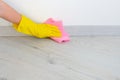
point(59, 24)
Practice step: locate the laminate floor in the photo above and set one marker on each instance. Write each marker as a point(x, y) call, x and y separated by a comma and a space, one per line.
point(83, 58)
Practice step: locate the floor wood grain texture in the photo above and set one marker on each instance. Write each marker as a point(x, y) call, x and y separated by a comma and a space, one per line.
point(83, 58)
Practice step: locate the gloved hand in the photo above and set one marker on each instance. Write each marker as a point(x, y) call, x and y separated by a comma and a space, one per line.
point(42, 30)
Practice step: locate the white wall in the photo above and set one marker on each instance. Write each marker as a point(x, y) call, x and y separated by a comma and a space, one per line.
point(72, 12)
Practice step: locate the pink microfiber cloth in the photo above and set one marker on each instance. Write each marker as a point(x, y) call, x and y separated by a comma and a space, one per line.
point(59, 24)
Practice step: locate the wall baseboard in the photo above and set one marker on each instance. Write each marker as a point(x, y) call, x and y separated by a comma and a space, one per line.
point(94, 30)
point(82, 30)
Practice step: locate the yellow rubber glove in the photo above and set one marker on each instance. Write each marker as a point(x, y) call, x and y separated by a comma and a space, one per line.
point(42, 30)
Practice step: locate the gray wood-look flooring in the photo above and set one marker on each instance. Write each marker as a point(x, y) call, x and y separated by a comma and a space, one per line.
point(83, 58)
